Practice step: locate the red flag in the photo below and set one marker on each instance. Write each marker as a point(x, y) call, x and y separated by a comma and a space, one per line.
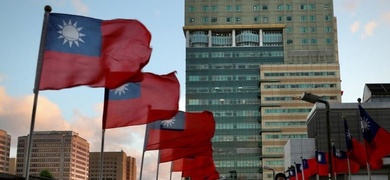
point(340, 162)
point(355, 150)
point(185, 152)
point(186, 129)
point(375, 138)
point(322, 164)
point(155, 97)
point(98, 53)
point(309, 167)
point(186, 164)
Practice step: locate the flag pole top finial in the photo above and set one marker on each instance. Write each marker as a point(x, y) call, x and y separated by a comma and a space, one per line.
point(48, 8)
point(344, 117)
point(359, 100)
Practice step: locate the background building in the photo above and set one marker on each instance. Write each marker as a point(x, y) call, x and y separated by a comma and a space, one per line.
point(116, 166)
point(63, 153)
point(5, 147)
point(245, 62)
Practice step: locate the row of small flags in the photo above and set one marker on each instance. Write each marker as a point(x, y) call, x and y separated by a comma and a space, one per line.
point(111, 54)
point(358, 155)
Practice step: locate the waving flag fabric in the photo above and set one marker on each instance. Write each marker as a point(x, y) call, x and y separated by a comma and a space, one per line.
point(186, 152)
point(155, 97)
point(208, 172)
point(186, 129)
point(375, 138)
point(98, 53)
point(355, 150)
point(340, 162)
point(322, 163)
point(309, 167)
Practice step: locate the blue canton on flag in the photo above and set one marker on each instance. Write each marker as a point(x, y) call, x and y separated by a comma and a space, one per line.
point(125, 92)
point(321, 158)
point(74, 34)
point(370, 127)
point(176, 123)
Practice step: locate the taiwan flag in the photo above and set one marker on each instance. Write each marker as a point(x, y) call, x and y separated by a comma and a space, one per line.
point(355, 149)
point(86, 51)
point(207, 172)
point(186, 164)
point(155, 97)
point(340, 162)
point(322, 164)
point(375, 138)
point(186, 129)
point(309, 167)
point(185, 152)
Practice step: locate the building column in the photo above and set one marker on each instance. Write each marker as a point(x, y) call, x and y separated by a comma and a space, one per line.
point(260, 37)
point(187, 38)
point(234, 38)
point(210, 36)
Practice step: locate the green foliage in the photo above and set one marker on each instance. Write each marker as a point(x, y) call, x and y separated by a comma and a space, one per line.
point(46, 174)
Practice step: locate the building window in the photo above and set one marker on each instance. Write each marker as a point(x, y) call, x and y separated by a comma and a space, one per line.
point(303, 18)
point(280, 18)
point(228, 19)
point(205, 19)
point(238, 8)
point(289, 18)
point(304, 41)
point(304, 30)
point(313, 29)
point(213, 19)
point(238, 19)
point(303, 7)
point(256, 19)
point(191, 8)
point(229, 8)
point(289, 30)
point(314, 41)
point(328, 29)
point(312, 18)
point(256, 7)
point(312, 6)
point(280, 7)
point(289, 41)
point(192, 20)
point(329, 41)
point(205, 8)
point(328, 18)
point(288, 7)
point(327, 6)
point(265, 19)
point(213, 8)
point(265, 7)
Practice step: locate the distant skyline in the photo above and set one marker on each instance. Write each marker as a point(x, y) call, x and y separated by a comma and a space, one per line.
point(363, 28)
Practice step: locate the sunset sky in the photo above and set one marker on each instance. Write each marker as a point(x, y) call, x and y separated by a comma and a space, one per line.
point(363, 28)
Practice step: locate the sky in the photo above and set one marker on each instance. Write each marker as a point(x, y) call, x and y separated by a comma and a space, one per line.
point(363, 38)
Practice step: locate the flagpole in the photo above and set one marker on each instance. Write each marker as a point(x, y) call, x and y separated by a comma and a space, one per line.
point(102, 155)
point(170, 175)
point(302, 169)
point(158, 165)
point(365, 148)
point(36, 86)
point(296, 170)
point(143, 150)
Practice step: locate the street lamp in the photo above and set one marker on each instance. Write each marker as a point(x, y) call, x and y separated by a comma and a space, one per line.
point(269, 168)
point(311, 98)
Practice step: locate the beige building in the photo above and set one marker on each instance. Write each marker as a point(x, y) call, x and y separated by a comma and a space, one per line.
point(116, 166)
point(5, 146)
point(63, 153)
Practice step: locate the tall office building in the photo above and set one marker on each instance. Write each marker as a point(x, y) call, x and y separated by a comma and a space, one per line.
point(63, 153)
point(247, 61)
point(5, 146)
point(116, 165)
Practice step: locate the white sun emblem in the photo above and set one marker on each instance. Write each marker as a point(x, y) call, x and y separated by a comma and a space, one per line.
point(169, 122)
point(70, 33)
point(365, 124)
point(121, 90)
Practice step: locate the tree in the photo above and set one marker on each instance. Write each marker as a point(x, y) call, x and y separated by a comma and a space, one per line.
point(46, 174)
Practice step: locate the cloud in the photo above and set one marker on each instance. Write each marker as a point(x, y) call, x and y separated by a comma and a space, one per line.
point(369, 29)
point(386, 17)
point(355, 26)
point(351, 6)
point(80, 7)
point(15, 118)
